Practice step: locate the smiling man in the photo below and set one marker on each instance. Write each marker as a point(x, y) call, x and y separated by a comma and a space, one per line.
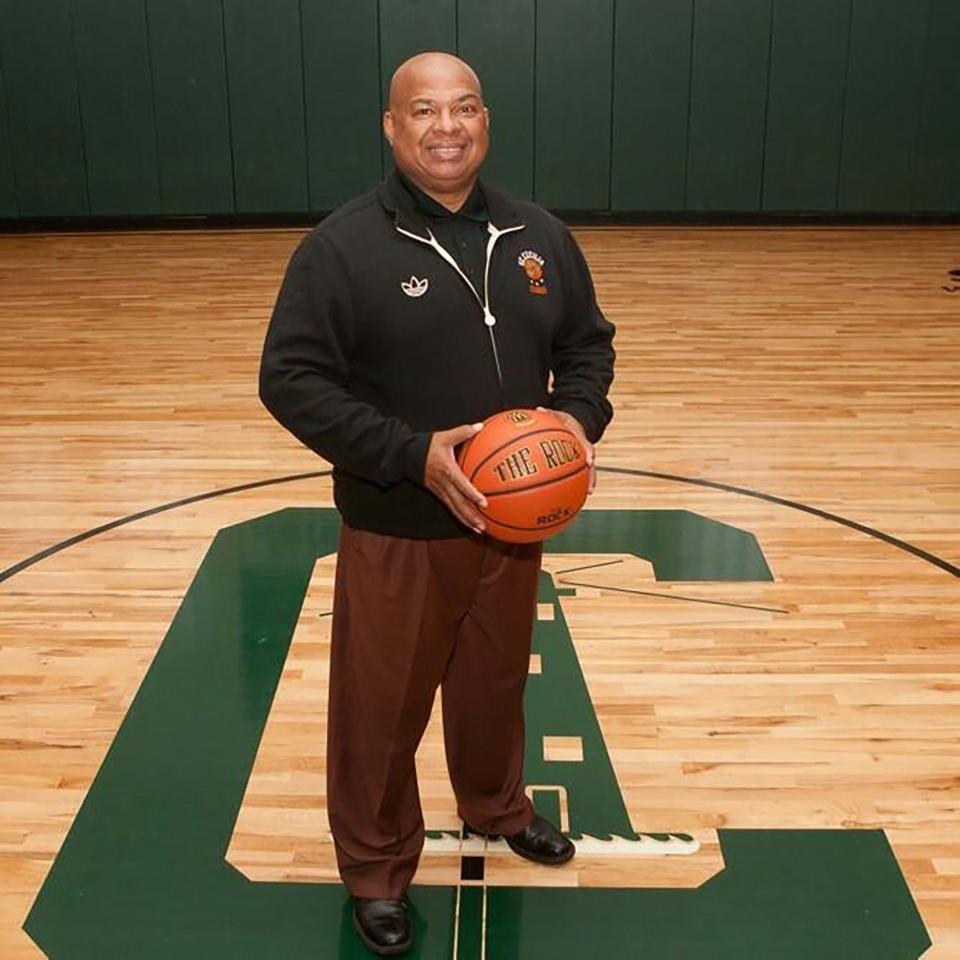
point(438, 126)
point(405, 318)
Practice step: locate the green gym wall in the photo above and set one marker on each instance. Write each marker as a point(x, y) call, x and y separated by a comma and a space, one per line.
point(162, 108)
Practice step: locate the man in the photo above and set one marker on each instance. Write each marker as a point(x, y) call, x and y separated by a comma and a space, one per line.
point(409, 315)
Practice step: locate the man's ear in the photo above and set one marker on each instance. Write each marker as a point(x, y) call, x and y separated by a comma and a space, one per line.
point(388, 126)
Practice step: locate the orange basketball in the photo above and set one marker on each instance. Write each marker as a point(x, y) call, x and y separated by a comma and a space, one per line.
point(532, 470)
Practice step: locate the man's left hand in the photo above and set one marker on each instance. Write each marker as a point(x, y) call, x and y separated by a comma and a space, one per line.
point(573, 425)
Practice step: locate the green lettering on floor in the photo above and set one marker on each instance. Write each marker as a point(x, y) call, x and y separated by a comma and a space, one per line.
point(142, 872)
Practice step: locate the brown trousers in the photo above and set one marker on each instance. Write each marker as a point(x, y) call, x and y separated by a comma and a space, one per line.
point(408, 616)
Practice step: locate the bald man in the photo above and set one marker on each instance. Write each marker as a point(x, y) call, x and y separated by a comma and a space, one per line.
point(405, 318)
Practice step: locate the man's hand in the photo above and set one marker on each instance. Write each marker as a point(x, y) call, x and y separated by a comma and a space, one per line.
point(573, 425)
point(443, 476)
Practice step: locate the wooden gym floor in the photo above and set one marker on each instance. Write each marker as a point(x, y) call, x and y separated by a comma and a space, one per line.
point(810, 374)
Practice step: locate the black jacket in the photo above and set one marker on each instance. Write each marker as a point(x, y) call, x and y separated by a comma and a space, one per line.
point(377, 340)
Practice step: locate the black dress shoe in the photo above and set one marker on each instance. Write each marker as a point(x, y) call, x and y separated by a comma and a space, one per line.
point(540, 842)
point(383, 925)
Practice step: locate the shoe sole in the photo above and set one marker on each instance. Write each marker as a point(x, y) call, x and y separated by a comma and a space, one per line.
point(383, 951)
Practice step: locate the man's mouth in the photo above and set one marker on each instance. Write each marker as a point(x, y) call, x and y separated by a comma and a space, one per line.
point(446, 152)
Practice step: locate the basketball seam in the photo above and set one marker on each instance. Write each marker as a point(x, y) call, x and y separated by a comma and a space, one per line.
point(513, 526)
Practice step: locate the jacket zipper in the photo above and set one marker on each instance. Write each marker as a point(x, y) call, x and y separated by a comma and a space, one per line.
point(488, 318)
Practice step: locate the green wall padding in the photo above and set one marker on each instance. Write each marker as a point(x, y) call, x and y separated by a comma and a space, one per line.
point(43, 112)
point(265, 82)
point(881, 119)
point(8, 185)
point(116, 103)
point(936, 182)
point(805, 110)
point(574, 74)
point(193, 120)
point(731, 48)
point(206, 107)
point(342, 94)
point(651, 96)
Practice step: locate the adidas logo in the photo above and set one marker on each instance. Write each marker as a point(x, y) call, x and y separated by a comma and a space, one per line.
point(414, 287)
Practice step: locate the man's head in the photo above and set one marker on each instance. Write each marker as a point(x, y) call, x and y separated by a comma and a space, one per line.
point(437, 124)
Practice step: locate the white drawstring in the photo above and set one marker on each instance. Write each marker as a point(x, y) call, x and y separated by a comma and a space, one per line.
point(488, 318)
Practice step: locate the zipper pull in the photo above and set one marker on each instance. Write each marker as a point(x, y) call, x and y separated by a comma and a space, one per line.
point(488, 318)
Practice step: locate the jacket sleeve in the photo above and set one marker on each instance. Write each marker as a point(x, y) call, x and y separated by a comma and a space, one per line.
point(582, 349)
point(304, 374)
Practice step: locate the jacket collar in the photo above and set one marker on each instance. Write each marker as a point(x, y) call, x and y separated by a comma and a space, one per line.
point(396, 200)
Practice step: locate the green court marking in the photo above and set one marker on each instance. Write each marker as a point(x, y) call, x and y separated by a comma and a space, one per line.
point(784, 895)
point(557, 704)
point(469, 936)
point(142, 872)
point(681, 545)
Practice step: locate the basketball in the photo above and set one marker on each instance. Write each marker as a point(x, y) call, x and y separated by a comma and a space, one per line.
point(533, 471)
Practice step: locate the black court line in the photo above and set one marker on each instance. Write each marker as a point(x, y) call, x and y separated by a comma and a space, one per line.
point(122, 521)
point(794, 505)
point(589, 566)
point(673, 596)
point(728, 488)
point(652, 593)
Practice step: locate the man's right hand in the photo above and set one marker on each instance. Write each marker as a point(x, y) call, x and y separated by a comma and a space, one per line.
point(443, 476)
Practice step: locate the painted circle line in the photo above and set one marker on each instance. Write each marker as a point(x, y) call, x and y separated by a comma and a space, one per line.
point(916, 551)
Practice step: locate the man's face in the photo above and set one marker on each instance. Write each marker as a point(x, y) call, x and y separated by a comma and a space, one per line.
point(438, 128)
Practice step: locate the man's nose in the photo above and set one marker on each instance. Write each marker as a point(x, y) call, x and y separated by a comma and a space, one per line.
point(448, 120)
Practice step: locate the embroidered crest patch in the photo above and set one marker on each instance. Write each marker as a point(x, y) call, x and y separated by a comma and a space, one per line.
point(532, 265)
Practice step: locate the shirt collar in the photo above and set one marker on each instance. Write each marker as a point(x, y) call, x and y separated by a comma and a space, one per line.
point(399, 202)
point(474, 207)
